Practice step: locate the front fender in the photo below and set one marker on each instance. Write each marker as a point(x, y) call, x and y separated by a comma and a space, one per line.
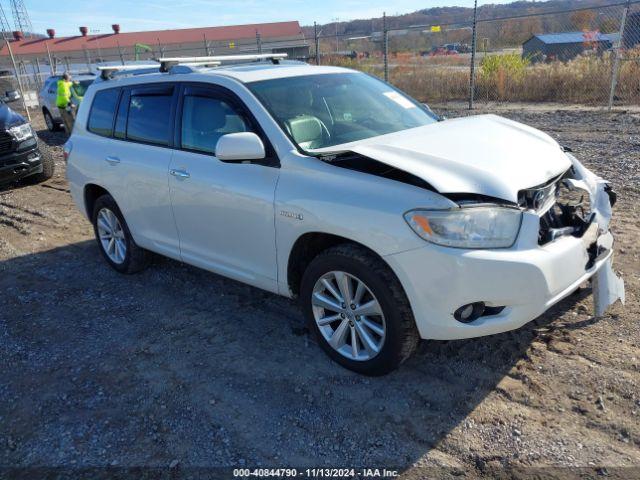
point(316, 197)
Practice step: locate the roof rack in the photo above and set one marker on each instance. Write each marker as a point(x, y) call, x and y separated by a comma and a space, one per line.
point(167, 62)
point(107, 71)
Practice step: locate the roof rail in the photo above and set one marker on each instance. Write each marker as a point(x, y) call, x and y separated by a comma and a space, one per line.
point(167, 62)
point(107, 71)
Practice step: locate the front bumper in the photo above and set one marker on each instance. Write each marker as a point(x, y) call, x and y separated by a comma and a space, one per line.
point(526, 279)
point(19, 164)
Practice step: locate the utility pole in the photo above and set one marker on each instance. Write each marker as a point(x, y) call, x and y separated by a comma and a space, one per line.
point(472, 79)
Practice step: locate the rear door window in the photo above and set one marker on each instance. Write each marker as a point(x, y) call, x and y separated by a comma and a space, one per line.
point(149, 118)
point(102, 112)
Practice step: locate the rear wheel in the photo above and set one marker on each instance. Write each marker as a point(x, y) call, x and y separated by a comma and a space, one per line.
point(114, 238)
point(358, 310)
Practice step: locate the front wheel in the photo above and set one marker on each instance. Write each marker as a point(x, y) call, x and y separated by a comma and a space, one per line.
point(114, 238)
point(358, 310)
point(52, 126)
point(48, 169)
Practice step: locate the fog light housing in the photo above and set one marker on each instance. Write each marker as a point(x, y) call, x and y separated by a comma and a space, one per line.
point(469, 312)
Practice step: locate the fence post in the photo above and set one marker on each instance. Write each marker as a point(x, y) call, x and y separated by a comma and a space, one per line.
point(120, 53)
point(472, 73)
point(52, 66)
point(87, 58)
point(206, 45)
point(385, 47)
point(616, 56)
point(38, 74)
point(258, 41)
point(316, 39)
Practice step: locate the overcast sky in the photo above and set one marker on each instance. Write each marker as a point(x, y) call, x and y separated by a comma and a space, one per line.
point(66, 16)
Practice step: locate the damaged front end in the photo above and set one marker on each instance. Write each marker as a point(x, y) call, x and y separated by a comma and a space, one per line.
point(574, 203)
point(579, 204)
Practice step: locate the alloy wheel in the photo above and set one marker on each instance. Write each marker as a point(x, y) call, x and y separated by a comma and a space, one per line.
point(348, 315)
point(111, 235)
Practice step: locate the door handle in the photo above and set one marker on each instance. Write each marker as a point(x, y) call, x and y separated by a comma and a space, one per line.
point(112, 160)
point(180, 173)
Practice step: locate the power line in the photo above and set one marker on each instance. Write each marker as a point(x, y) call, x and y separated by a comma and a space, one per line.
point(4, 24)
point(21, 17)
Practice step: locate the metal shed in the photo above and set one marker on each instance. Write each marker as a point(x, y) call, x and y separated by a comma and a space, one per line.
point(566, 45)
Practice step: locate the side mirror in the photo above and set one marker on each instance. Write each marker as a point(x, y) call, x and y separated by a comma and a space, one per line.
point(240, 147)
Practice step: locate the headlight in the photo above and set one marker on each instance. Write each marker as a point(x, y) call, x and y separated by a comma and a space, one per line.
point(21, 132)
point(468, 227)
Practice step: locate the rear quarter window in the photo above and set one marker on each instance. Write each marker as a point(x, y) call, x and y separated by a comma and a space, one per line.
point(102, 111)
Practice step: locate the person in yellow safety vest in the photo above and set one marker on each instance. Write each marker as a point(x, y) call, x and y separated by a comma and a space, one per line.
point(63, 101)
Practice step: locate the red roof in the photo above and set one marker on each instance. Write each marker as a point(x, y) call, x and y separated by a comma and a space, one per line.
point(32, 46)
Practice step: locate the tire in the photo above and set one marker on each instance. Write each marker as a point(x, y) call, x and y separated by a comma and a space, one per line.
point(400, 337)
point(48, 169)
point(135, 258)
point(52, 125)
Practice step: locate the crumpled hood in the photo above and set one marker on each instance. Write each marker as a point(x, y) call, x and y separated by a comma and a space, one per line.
point(484, 154)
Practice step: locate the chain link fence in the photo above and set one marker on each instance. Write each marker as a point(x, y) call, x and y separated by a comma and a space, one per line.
point(587, 56)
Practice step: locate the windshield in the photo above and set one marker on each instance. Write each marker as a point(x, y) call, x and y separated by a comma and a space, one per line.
point(320, 111)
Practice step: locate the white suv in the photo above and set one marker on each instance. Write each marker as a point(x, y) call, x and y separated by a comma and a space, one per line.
point(329, 185)
point(48, 95)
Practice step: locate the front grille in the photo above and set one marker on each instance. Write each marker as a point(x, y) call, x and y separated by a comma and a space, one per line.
point(6, 142)
point(539, 198)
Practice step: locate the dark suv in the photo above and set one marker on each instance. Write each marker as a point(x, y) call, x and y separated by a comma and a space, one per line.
point(20, 157)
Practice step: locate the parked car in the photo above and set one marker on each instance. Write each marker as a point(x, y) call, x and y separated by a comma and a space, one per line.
point(11, 96)
point(47, 97)
point(334, 187)
point(20, 157)
point(442, 51)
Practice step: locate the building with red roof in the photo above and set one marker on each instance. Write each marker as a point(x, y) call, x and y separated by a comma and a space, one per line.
point(119, 45)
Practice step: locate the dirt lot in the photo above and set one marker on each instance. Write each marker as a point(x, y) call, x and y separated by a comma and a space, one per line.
point(179, 368)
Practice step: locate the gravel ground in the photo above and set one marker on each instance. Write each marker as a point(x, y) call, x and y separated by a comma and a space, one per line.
point(177, 368)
